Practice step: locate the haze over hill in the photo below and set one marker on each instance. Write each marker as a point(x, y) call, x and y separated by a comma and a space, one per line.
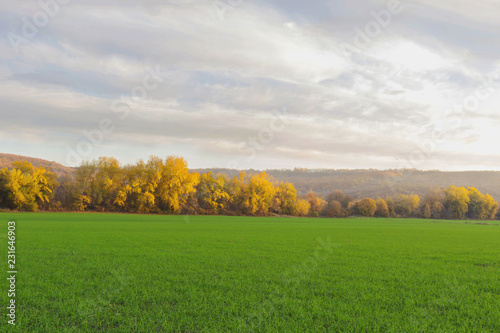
point(374, 183)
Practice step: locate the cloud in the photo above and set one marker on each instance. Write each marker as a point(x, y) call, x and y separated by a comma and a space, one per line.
point(225, 79)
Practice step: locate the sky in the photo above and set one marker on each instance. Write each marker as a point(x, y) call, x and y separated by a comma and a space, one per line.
point(245, 84)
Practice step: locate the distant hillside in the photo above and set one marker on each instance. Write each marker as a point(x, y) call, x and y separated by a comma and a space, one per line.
point(373, 183)
point(358, 183)
point(7, 159)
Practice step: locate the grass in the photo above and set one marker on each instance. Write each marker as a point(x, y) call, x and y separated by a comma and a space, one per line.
point(137, 273)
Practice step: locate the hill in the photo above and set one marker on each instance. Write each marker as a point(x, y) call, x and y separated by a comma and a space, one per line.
point(61, 170)
point(358, 183)
point(374, 183)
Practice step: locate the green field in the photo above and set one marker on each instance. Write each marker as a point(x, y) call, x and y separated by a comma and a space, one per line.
point(136, 273)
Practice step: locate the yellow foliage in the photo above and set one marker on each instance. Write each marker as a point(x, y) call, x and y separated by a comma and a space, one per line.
point(211, 193)
point(285, 198)
point(176, 184)
point(82, 202)
point(302, 207)
point(457, 201)
point(258, 193)
point(25, 187)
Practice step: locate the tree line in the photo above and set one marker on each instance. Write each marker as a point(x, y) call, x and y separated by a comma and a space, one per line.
point(166, 186)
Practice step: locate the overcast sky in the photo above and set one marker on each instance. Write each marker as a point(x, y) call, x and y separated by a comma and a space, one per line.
point(253, 84)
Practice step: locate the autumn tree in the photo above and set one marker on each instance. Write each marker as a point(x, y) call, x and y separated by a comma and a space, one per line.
point(316, 204)
point(366, 207)
point(426, 211)
point(491, 207)
point(155, 186)
point(432, 204)
point(140, 183)
point(390, 206)
point(168, 186)
point(211, 193)
point(25, 187)
point(285, 198)
point(84, 183)
point(476, 208)
point(481, 207)
point(176, 184)
point(457, 201)
point(302, 207)
point(107, 181)
point(339, 196)
point(437, 210)
point(65, 193)
point(406, 205)
point(235, 188)
point(333, 208)
point(336, 204)
point(382, 208)
point(98, 184)
point(258, 192)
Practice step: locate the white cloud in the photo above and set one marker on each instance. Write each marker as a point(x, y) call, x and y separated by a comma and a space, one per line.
point(227, 77)
point(479, 11)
